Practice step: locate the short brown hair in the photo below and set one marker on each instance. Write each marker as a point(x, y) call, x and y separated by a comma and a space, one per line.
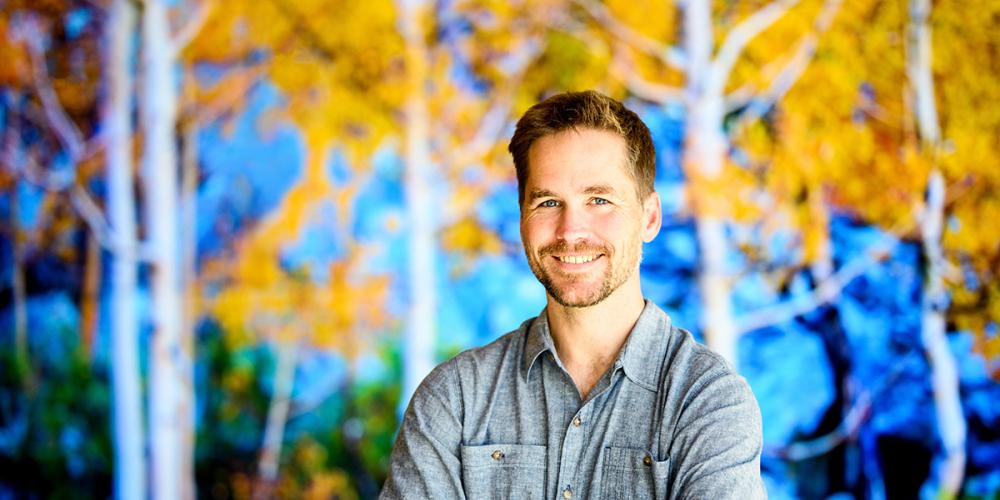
point(587, 109)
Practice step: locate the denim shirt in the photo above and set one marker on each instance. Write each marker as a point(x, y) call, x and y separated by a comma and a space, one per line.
point(669, 419)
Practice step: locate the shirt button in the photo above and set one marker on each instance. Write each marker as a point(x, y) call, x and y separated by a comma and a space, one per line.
point(647, 460)
point(567, 493)
point(497, 455)
point(577, 422)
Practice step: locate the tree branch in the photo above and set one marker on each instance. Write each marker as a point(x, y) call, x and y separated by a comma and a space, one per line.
point(193, 26)
point(741, 35)
point(65, 182)
point(493, 122)
point(305, 30)
point(622, 67)
point(78, 149)
point(238, 84)
point(827, 291)
point(64, 127)
point(92, 216)
point(850, 425)
point(796, 65)
point(822, 445)
point(668, 54)
point(85, 206)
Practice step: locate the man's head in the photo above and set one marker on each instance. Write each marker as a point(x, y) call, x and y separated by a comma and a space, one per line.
point(585, 110)
point(584, 214)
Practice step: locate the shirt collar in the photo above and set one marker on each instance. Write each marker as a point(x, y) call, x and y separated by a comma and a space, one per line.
point(641, 357)
point(538, 341)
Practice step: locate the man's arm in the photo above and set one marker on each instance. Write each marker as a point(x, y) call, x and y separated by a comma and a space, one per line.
point(425, 458)
point(717, 442)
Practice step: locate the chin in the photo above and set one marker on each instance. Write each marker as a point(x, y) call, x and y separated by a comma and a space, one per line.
point(578, 298)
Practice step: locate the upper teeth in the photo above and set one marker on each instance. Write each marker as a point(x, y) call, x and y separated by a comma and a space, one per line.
point(577, 259)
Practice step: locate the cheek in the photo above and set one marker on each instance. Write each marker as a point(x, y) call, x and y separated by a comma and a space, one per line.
point(534, 230)
point(614, 226)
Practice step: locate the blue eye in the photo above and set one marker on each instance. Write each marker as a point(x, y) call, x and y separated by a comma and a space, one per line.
point(549, 203)
point(600, 201)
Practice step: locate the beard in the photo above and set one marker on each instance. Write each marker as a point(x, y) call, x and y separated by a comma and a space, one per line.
point(560, 285)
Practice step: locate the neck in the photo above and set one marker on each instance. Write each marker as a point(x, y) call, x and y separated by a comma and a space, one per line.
point(588, 339)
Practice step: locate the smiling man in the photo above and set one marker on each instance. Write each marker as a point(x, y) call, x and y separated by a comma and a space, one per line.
point(600, 396)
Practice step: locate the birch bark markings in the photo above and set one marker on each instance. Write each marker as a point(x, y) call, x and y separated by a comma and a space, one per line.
point(705, 148)
point(129, 440)
point(277, 415)
point(171, 396)
point(418, 347)
point(703, 157)
point(949, 470)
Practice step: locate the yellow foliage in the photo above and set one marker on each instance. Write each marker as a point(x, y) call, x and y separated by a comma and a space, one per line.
point(14, 71)
point(765, 55)
point(731, 195)
point(470, 237)
point(337, 63)
point(846, 133)
point(309, 477)
point(259, 298)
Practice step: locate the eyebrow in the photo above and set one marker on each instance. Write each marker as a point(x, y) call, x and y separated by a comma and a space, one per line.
point(539, 193)
point(599, 189)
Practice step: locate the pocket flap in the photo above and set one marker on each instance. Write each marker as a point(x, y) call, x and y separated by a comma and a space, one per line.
point(632, 459)
point(503, 455)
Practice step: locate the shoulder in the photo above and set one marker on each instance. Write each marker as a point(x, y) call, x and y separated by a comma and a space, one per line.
point(699, 379)
point(462, 375)
point(715, 435)
point(693, 361)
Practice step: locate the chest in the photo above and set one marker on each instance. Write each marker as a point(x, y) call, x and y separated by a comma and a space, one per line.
point(538, 439)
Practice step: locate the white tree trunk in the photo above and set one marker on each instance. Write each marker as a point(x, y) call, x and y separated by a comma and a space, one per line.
point(189, 257)
point(129, 440)
point(418, 349)
point(713, 282)
point(705, 149)
point(277, 413)
point(171, 398)
point(949, 470)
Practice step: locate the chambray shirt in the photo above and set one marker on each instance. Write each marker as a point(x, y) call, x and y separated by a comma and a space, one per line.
point(670, 419)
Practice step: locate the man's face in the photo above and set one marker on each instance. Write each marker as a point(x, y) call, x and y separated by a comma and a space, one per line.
point(582, 223)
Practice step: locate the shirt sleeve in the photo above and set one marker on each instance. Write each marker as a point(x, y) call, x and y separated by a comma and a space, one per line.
point(425, 459)
point(717, 443)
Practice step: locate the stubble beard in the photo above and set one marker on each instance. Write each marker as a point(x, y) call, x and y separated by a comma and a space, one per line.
point(615, 275)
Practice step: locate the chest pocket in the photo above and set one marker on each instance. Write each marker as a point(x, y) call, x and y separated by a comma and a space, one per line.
point(633, 474)
point(503, 471)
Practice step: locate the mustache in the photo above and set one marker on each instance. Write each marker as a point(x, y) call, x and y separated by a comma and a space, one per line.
point(579, 247)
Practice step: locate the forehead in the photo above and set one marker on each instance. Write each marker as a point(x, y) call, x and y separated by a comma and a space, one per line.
point(576, 159)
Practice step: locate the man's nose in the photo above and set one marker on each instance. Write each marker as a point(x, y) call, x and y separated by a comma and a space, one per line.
point(573, 225)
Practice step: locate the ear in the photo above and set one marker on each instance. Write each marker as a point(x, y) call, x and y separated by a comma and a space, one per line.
point(652, 217)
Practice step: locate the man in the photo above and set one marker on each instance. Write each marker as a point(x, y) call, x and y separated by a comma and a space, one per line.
point(600, 396)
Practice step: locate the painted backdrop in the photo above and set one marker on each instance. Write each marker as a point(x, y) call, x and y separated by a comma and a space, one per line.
point(236, 235)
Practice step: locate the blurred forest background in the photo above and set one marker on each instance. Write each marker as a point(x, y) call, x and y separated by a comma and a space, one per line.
point(236, 235)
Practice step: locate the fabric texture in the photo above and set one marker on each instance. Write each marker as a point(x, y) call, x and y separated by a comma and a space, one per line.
point(670, 419)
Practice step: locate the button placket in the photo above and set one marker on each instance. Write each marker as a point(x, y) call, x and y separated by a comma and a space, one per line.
point(572, 449)
point(573, 445)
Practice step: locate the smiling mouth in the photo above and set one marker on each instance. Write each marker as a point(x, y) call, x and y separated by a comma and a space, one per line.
point(577, 259)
